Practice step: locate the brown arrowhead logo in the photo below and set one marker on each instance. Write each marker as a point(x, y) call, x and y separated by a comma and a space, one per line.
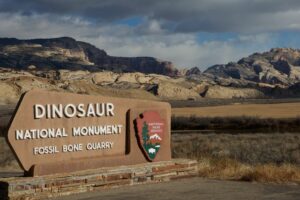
point(150, 131)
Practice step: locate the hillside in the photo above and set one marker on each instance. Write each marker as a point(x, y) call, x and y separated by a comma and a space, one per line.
point(64, 64)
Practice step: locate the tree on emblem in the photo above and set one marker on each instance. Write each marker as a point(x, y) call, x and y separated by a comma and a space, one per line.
point(145, 133)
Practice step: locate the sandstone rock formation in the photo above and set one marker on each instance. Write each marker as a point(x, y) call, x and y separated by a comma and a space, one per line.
point(233, 93)
point(171, 91)
point(127, 85)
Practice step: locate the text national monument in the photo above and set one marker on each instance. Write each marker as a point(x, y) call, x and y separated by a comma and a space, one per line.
point(69, 143)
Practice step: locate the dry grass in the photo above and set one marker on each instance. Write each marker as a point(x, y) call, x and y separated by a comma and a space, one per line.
point(252, 149)
point(280, 110)
point(222, 168)
point(275, 174)
point(267, 158)
point(228, 169)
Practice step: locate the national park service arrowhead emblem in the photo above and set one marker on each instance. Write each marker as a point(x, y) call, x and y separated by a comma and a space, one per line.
point(150, 131)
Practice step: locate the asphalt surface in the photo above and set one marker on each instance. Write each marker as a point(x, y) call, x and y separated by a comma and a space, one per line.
point(4, 174)
point(195, 188)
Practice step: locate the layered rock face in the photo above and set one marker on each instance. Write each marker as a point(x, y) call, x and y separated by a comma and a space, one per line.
point(280, 66)
point(67, 53)
point(127, 85)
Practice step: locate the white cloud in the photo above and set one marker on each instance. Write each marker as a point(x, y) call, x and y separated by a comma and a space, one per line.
point(188, 16)
point(182, 49)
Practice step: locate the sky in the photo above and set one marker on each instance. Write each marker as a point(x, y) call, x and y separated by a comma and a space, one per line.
point(187, 32)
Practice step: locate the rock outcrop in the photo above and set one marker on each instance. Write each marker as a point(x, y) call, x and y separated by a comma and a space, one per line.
point(280, 66)
point(190, 71)
point(193, 71)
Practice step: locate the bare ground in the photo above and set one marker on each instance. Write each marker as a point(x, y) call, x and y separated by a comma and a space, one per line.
point(280, 110)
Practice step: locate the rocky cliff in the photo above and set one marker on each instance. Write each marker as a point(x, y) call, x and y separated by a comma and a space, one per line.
point(67, 53)
point(64, 64)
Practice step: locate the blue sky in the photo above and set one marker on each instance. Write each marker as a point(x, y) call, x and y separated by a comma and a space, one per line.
point(189, 33)
point(207, 36)
point(131, 21)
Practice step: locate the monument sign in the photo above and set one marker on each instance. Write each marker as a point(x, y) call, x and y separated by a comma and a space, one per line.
point(55, 132)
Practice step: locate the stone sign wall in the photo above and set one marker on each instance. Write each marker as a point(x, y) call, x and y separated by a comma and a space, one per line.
point(55, 132)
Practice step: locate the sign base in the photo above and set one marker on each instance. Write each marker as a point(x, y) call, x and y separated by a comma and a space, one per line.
point(97, 179)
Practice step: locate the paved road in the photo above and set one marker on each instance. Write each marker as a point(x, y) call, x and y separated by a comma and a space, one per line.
point(7, 174)
point(195, 188)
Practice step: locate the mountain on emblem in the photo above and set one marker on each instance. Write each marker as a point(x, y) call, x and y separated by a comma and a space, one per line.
point(150, 132)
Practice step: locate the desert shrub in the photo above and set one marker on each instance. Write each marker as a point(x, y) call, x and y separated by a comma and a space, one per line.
point(236, 124)
point(246, 148)
point(3, 131)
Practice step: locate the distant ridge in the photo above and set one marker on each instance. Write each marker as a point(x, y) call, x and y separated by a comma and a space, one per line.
point(67, 53)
